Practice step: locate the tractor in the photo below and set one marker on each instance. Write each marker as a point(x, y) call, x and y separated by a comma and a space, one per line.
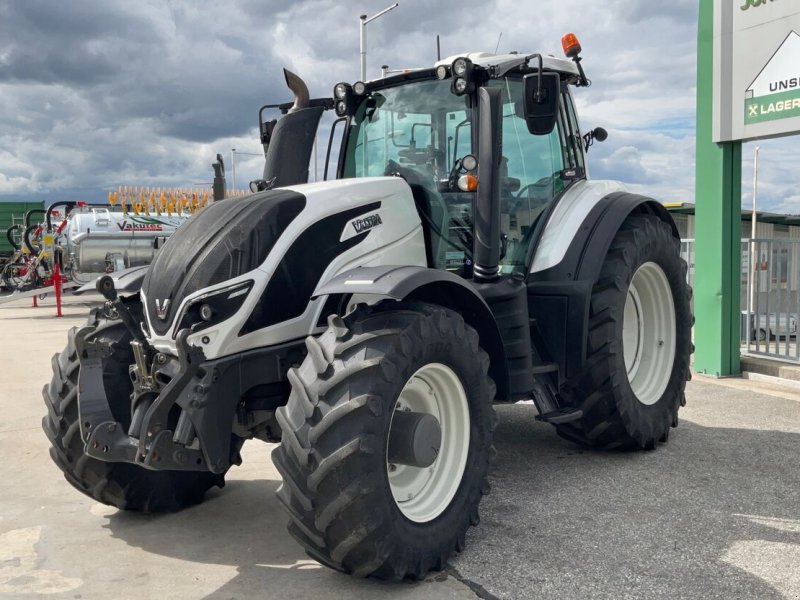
point(461, 257)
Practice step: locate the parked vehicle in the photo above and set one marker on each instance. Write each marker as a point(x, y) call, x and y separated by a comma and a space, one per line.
point(461, 258)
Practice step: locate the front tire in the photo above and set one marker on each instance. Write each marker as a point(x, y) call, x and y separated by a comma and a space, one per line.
point(639, 342)
point(125, 486)
point(350, 507)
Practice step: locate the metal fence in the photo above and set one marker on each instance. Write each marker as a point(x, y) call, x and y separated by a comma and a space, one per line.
point(769, 298)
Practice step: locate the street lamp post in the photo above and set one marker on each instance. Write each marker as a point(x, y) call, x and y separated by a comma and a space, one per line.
point(233, 168)
point(363, 20)
point(753, 247)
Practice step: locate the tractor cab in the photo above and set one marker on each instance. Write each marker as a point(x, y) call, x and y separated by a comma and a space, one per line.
point(426, 126)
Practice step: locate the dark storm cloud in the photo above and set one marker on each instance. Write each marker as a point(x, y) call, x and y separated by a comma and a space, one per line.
point(97, 94)
point(66, 42)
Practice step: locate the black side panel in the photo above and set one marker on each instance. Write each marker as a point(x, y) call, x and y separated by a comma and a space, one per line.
point(223, 241)
point(508, 301)
point(560, 312)
point(289, 290)
point(290, 147)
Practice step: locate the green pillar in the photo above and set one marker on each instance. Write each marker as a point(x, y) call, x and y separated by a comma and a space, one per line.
point(718, 195)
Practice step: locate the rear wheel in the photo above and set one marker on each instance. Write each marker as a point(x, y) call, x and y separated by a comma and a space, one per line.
point(387, 437)
point(126, 486)
point(639, 342)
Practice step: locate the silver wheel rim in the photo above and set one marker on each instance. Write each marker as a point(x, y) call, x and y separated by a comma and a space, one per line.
point(648, 333)
point(422, 494)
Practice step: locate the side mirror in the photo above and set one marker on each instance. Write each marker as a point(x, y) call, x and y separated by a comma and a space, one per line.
point(598, 133)
point(542, 97)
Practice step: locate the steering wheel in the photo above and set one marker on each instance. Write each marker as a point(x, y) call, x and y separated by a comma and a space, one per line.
point(542, 187)
point(411, 176)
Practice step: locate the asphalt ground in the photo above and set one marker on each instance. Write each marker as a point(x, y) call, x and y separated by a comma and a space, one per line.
point(715, 513)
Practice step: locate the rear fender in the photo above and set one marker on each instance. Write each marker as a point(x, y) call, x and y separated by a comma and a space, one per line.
point(434, 286)
point(559, 297)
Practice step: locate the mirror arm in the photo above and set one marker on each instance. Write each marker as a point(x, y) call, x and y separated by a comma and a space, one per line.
point(538, 95)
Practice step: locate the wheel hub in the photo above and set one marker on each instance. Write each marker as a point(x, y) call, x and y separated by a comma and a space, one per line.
point(428, 442)
point(414, 440)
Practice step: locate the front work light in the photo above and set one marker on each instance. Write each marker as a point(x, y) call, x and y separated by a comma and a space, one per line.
point(469, 162)
point(359, 88)
point(340, 91)
point(462, 76)
point(460, 67)
point(341, 108)
point(441, 72)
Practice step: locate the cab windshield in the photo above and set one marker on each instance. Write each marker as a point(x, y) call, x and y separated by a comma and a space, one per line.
point(419, 130)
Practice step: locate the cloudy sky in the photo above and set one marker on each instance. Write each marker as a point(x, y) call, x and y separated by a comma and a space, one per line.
point(97, 94)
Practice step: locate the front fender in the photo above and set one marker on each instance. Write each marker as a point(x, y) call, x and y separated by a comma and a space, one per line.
point(126, 281)
point(435, 286)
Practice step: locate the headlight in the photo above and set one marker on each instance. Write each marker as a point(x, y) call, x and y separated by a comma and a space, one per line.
point(213, 308)
point(206, 312)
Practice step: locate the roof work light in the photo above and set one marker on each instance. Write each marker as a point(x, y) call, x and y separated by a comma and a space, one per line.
point(462, 76)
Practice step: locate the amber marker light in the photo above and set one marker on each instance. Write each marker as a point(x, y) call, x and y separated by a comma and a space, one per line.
point(468, 183)
point(571, 45)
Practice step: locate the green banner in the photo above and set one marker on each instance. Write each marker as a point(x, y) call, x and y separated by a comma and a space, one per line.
point(772, 107)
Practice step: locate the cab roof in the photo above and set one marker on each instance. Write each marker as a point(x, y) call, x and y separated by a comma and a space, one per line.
point(487, 59)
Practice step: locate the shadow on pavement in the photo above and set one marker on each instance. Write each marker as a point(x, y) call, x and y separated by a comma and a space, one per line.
point(699, 517)
point(713, 513)
point(244, 526)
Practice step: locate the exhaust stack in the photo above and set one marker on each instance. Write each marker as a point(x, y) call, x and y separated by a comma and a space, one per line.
point(487, 204)
point(298, 88)
point(290, 140)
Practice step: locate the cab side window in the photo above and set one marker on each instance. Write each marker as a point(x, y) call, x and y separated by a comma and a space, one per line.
point(530, 175)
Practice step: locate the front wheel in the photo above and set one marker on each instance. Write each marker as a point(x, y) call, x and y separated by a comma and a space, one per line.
point(387, 437)
point(125, 486)
point(639, 342)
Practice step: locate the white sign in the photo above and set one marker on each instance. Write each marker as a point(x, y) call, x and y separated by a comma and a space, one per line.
point(756, 69)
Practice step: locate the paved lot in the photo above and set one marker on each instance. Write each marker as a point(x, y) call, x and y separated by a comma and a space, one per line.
point(713, 514)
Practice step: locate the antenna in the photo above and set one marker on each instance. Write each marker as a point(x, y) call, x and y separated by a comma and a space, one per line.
point(438, 49)
point(498, 42)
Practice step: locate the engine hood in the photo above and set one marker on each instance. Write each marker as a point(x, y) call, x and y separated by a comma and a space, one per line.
point(223, 241)
point(280, 245)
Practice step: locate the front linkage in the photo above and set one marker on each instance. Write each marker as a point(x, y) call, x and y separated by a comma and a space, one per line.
point(185, 410)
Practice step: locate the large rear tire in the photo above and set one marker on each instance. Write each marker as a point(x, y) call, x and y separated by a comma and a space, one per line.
point(125, 486)
point(351, 506)
point(639, 342)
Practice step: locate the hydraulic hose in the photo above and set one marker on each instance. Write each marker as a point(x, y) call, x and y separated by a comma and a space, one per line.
point(32, 212)
point(26, 238)
point(10, 237)
point(70, 204)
